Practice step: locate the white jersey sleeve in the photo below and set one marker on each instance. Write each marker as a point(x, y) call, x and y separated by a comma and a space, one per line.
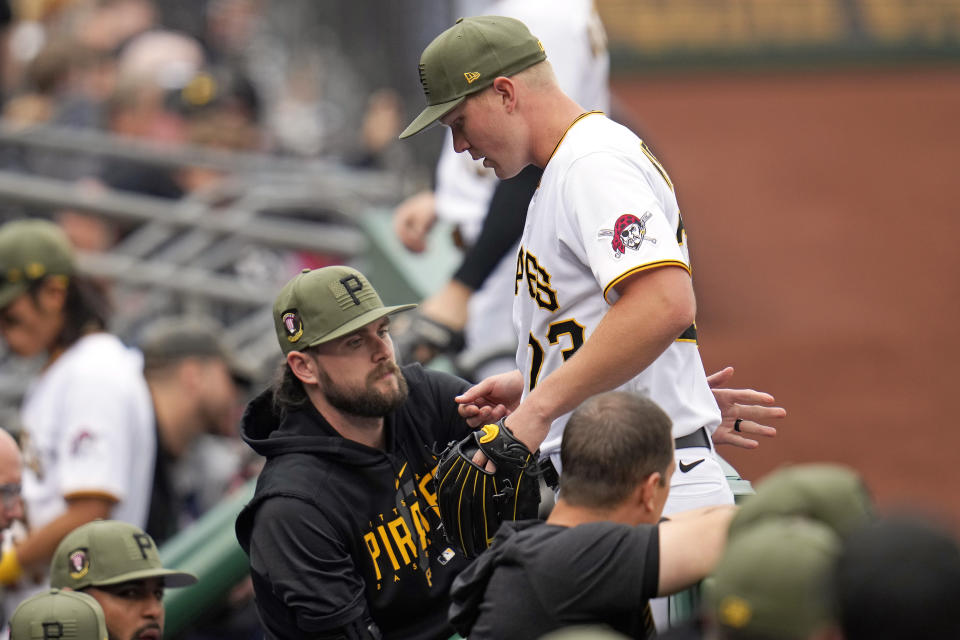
point(605, 209)
point(97, 447)
point(620, 229)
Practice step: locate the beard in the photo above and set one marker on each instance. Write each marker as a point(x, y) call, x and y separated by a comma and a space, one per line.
point(368, 402)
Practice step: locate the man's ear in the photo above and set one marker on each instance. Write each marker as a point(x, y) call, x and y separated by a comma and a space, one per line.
point(648, 491)
point(304, 367)
point(506, 91)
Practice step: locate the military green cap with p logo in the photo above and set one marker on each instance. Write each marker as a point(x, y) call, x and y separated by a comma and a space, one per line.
point(58, 614)
point(29, 251)
point(326, 304)
point(466, 58)
point(773, 579)
point(107, 552)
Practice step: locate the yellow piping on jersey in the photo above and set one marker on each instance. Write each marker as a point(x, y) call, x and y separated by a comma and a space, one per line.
point(92, 493)
point(560, 141)
point(638, 269)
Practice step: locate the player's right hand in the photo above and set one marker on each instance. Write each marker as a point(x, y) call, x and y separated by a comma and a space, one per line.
point(491, 399)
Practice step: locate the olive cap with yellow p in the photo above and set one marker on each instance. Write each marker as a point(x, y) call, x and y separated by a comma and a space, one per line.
point(774, 579)
point(108, 552)
point(67, 615)
point(30, 250)
point(321, 305)
point(466, 58)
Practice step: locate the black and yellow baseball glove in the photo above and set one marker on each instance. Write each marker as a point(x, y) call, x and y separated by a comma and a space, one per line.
point(472, 501)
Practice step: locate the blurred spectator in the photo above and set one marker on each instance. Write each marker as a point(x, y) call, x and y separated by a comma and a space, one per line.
point(773, 582)
point(152, 70)
point(193, 383)
point(601, 554)
point(59, 614)
point(87, 435)
point(899, 578)
point(830, 495)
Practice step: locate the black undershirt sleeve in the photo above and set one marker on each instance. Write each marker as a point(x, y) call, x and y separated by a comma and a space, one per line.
point(501, 229)
point(651, 575)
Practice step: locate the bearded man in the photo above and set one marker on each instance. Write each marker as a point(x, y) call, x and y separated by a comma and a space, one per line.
point(342, 532)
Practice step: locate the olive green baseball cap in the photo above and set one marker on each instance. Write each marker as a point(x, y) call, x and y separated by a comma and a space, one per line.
point(106, 552)
point(466, 58)
point(829, 493)
point(169, 340)
point(326, 304)
point(774, 579)
point(31, 250)
point(58, 614)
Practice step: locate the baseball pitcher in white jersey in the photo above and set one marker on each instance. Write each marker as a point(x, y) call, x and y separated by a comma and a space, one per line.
point(603, 297)
point(572, 31)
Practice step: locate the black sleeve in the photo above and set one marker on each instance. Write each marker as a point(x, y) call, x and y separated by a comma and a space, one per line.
point(308, 574)
point(651, 575)
point(501, 229)
point(447, 387)
point(432, 406)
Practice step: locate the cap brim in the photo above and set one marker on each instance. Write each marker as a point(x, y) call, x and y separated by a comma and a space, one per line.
point(430, 115)
point(171, 578)
point(10, 292)
point(361, 321)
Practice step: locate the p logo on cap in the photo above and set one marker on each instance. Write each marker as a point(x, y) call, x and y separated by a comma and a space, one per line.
point(326, 304)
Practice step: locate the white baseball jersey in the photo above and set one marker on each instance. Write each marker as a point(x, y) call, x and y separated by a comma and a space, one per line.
point(88, 430)
point(605, 210)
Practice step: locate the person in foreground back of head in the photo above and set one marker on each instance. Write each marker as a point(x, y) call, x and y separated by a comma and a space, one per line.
point(118, 565)
point(88, 440)
point(899, 578)
point(55, 614)
point(603, 552)
point(773, 583)
point(342, 532)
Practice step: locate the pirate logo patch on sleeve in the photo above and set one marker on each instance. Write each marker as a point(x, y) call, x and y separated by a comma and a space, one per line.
point(628, 232)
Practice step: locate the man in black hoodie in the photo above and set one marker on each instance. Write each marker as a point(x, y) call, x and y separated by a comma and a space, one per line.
point(342, 532)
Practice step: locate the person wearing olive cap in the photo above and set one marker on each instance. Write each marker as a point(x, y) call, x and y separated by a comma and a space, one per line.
point(58, 615)
point(774, 582)
point(342, 532)
point(118, 565)
point(603, 268)
point(88, 438)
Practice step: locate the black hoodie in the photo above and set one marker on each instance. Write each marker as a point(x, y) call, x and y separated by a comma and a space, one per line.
point(341, 535)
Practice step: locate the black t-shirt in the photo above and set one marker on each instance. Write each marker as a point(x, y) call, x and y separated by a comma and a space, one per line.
point(539, 577)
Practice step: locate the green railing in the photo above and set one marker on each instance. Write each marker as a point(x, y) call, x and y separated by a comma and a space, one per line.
point(209, 550)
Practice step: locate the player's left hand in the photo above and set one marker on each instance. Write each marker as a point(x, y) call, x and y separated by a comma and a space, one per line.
point(752, 408)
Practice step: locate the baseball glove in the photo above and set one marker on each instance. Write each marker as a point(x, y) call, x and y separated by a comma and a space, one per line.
point(472, 501)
